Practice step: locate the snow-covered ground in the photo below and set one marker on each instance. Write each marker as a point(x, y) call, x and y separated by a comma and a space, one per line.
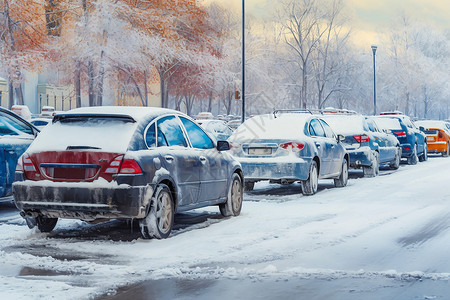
point(375, 237)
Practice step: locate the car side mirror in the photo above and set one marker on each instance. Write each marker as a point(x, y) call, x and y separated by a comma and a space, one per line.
point(340, 138)
point(223, 146)
point(421, 128)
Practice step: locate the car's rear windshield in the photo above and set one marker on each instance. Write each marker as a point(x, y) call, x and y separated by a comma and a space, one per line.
point(346, 124)
point(388, 123)
point(106, 134)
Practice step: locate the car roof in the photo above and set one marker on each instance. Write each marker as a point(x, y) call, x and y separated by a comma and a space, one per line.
point(138, 113)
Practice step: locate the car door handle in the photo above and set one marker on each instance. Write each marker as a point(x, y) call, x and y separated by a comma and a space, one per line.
point(169, 158)
point(202, 159)
point(318, 145)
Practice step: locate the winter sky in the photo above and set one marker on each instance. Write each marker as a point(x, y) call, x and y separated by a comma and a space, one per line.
point(369, 19)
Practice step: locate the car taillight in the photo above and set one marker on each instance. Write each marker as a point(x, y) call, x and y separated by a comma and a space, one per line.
point(361, 138)
point(400, 133)
point(130, 166)
point(293, 146)
point(26, 165)
point(114, 166)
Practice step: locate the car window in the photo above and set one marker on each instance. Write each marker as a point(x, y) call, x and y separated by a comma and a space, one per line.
point(328, 131)
point(199, 139)
point(11, 126)
point(371, 125)
point(150, 136)
point(315, 129)
point(170, 133)
point(408, 123)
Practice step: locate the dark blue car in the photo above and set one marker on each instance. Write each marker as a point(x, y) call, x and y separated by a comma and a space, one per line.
point(16, 135)
point(412, 140)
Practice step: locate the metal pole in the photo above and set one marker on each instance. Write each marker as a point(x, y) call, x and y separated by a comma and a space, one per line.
point(243, 61)
point(374, 49)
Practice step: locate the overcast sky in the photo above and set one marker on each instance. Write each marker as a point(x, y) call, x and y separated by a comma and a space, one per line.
point(369, 18)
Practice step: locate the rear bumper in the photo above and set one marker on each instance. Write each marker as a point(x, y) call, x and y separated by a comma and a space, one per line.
point(437, 147)
point(256, 169)
point(407, 153)
point(86, 201)
point(360, 158)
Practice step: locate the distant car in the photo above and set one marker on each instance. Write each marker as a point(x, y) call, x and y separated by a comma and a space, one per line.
point(22, 111)
point(287, 147)
point(205, 116)
point(367, 147)
point(47, 112)
point(233, 124)
point(412, 140)
point(219, 129)
point(40, 122)
point(144, 164)
point(438, 136)
point(16, 135)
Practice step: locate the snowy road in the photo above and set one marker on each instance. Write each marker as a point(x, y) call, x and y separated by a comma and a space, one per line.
point(379, 238)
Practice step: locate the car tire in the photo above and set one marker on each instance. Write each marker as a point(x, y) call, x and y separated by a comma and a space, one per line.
point(45, 224)
point(159, 220)
point(412, 160)
point(249, 186)
point(343, 178)
point(374, 169)
point(309, 186)
point(234, 200)
point(398, 157)
point(424, 156)
point(447, 151)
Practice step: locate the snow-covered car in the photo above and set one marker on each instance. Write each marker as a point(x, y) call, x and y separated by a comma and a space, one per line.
point(22, 110)
point(412, 140)
point(47, 112)
point(367, 146)
point(40, 123)
point(219, 129)
point(16, 135)
point(289, 147)
point(438, 135)
point(139, 163)
point(205, 116)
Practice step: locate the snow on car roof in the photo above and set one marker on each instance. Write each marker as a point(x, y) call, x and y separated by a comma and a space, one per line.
point(284, 126)
point(345, 123)
point(433, 124)
point(387, 123)
point(136, 112)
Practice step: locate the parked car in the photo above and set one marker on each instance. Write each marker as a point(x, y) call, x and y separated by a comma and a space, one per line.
point(289, 147)
point(438, 136)
point(47, 112)
point(22, 110)
point(412, 140)
point(234, 124)
point(139, 163)
point(40, 123)
point(16, 135)
point(367, 147)
point(219, 129)
point(205, 116)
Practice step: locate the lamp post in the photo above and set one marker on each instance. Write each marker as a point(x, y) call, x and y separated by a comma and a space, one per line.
point(374, 50)
point(243, 61)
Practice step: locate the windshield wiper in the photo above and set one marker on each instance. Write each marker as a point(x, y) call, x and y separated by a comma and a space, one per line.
point(81, 147)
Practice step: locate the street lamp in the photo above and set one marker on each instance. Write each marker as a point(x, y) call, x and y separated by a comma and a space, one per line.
point(243, 61)
point(374, 50)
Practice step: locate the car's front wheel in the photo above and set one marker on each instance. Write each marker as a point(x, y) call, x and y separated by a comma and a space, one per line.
point(412, 160)
point(309, 186)
point(374, 169)
point(343, 178)
point(398, 157)
point(159, 221)
point(234, 200)
point(447, 151)
point(424, 156)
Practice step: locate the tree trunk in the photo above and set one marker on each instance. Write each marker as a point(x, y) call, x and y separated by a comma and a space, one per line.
point(78, 84)
point(91, 83)
point(10, 94)
point(210, 97)
point(19, 94)
point(101, 78)
point(145, 89)
point(407, 104)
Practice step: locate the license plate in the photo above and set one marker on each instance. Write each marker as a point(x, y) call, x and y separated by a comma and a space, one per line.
point(260, 151)
point(430, 138)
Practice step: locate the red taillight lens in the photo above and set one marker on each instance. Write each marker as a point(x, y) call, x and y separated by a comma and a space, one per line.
point(407, 148)
point(130, 166)
point(26, 165)
point(362, 138)
point(400, 133)
point(293, 146)
point(114, 166)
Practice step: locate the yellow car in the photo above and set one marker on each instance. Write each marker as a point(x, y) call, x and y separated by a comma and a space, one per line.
point(438, 136)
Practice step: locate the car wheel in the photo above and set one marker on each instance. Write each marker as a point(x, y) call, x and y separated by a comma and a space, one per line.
point(343, 178)
point(159, 220)
point(396, 164)
point(424, 156)
point(234, 200)
point(374, 169)
point(447, 151)
point(309, 186)
point(412, 160)
point(45, 224)
point(249, 186)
